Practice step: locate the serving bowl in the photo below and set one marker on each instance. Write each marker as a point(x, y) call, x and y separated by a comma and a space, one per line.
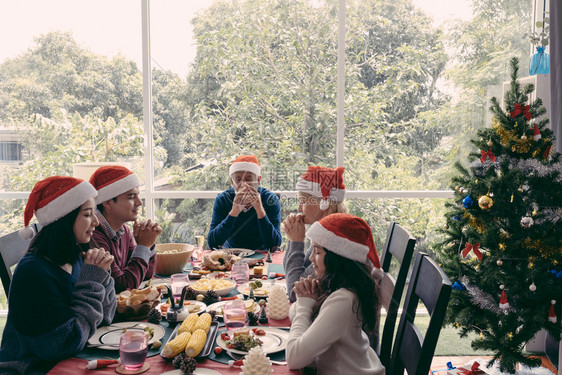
point(172, 257)
point(222, 286)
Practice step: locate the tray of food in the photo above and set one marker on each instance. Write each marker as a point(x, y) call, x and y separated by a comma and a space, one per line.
point(195, 336)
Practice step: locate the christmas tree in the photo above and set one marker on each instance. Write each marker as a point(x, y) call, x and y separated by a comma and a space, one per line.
point(503, 238)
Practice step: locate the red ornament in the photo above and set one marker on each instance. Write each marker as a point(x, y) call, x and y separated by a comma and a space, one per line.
point(474, 248)
point(487, 154)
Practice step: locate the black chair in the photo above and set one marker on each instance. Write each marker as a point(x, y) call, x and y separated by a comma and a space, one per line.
point(12, 248)
point(413, 351)
point(399, 246)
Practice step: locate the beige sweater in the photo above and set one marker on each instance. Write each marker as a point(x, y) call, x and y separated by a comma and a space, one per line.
point(334, 342)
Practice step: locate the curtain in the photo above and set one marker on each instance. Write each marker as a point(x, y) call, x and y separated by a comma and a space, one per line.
point(556, 71)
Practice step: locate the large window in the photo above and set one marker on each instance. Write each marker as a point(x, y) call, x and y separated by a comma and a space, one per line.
point(250, 76)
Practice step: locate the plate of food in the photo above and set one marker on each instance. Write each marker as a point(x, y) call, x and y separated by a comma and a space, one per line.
point(222, 286)
point(240, 252)
point(209, 340)
point(191, 306)
point(241, 340)
point(251, 306)
point(107, 337)
point(261, 287)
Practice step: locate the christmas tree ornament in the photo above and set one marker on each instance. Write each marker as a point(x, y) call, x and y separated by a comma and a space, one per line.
point(546, 153)
point(518, 109)
point(490, 143)
point(520, 189)
point(502, 246)
point(263, 315)
point(464, 230)
point(511, 200)
point(527, 222)
point(499, 262)
point(552, 312)
point(457, 285)
point(503, 299)
point(461, 189)
point(524, 137)
point(490, 195)
point(487, 154)
point(468, 202)
point(474, 248)
point(536, 133)
point(532, 287)
point(485, 202)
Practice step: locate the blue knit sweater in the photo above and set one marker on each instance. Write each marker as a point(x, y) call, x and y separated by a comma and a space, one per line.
point(245, 231)
point(52, 313)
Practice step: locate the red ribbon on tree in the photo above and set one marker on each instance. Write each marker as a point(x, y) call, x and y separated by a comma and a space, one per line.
point(474, 370)
point(519, 108)
point(475, 249)
point(487, 154)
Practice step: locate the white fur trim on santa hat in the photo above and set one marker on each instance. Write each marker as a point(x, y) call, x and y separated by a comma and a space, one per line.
point(314, 189)
point(118, 187)
point(336, 244)
point(244, 166)
point(65, 203)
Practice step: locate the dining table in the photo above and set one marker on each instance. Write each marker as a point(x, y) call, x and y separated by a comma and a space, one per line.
point(211, 364)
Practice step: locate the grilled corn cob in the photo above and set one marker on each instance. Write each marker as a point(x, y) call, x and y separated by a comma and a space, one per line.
point(177, 345)
point(204, 322)
point(196, 343)
point(189, 323)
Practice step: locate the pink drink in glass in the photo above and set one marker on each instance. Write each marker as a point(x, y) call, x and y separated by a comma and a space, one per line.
point(234, 314)
point(133, 349)
point(240, 272)
point(178, 281)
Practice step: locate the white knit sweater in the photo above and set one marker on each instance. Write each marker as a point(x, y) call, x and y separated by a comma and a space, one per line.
point(334, 342)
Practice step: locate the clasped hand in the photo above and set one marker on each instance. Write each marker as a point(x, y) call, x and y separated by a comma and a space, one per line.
point(146, 232)
point(307, 287)
point(293, 225)
point(98, 257)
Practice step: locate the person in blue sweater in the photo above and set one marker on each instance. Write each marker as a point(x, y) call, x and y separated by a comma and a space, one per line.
point(246, 216)
point(61, 290)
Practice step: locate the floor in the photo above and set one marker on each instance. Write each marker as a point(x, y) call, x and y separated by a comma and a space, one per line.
point(440, 363)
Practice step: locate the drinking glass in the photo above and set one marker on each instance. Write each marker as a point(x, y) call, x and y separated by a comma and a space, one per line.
point(199, 235)
point(234, 314)
point(133, 348)
point(240, 272)
point(177, 282)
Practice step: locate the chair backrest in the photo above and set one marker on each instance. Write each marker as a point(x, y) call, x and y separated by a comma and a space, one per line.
point(413, 351)
point(400, 246)
point(12, 248)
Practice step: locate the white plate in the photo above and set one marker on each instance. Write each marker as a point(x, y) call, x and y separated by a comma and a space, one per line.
point(202, 306)
point(220, 292)
point(240, 252)
point(107, 337)
point(218, 306)
point(198, 371)
point(274, 340)
point(266, 287)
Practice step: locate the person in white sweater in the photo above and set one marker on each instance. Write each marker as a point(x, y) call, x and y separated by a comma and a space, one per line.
point(334, 307)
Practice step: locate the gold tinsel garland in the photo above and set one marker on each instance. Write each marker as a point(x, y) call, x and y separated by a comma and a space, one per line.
point(475, 223)
point(505, 135)
point(547, 252)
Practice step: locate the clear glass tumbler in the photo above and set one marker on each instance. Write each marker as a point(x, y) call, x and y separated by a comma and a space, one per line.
point(133, 348)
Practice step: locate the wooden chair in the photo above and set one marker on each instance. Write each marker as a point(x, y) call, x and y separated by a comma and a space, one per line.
point(12, 248)
point(413, 351)
point(399, 246)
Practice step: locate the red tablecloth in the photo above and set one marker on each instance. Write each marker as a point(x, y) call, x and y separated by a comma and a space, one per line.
point(158, 365)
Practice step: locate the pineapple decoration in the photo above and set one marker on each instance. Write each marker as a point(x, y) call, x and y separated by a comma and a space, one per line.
point(504, 228)
point(256, 363)
point(277, 303)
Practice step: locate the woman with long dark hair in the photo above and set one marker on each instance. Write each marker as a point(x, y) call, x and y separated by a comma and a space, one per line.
point(61, 290)
point(334, 307)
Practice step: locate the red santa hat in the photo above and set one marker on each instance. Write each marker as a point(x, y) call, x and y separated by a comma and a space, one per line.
point(245, 163)
point(536, 133)
point(345, 235)
point(53, 198)
point(503, 299)
point(322, 182)
point(552, 312)
point(112, 180)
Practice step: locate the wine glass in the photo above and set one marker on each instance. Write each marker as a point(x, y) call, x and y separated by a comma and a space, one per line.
point(240, 272)
point(133, 348)
point(234, 314)
point(177, 282)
